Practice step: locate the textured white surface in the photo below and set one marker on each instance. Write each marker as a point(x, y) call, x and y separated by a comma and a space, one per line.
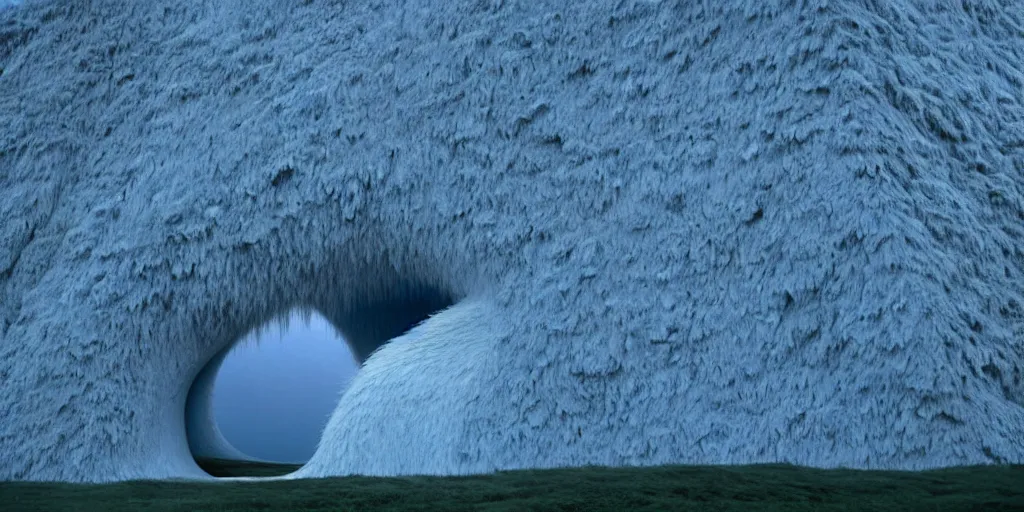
point(686, 232)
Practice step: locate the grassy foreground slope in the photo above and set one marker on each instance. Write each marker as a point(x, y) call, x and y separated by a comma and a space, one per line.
point(761, 487)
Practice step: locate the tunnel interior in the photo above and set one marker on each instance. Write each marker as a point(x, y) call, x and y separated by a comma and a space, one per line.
point(370, 323)
point(364, 321)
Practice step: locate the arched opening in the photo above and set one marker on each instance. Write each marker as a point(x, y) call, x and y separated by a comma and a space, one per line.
point(258, 407)
point(276, 388)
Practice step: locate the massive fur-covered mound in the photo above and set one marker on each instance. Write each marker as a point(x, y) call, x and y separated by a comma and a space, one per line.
point(626, 233)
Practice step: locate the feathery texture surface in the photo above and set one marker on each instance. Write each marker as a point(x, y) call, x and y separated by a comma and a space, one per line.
point(668, 231)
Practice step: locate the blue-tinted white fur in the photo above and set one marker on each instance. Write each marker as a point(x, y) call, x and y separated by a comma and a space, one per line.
point(674, 231)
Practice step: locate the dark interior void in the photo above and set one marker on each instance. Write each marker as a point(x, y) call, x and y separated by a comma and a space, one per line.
point(368, 324)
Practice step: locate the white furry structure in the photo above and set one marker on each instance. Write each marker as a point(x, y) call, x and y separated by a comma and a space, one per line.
point(669, 232)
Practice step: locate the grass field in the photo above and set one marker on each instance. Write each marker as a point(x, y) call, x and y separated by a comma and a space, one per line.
point(763, 487)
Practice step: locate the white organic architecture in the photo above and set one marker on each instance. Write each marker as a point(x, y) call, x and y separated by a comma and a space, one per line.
point(636, 232)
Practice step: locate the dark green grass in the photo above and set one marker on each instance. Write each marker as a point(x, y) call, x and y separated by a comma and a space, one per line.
point(762, 487)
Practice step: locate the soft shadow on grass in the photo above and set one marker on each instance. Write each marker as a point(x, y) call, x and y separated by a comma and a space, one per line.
point(760, 487)
point(225, 467)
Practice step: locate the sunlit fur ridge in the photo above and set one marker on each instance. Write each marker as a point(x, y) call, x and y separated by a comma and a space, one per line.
point(636, 233)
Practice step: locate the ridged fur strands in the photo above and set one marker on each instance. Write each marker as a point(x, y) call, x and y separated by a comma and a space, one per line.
point(639, 232)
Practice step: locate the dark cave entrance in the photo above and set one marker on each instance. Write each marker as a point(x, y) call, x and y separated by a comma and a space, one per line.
point(288, 402)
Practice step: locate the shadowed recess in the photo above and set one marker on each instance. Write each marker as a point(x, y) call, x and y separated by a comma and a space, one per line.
point(370, 323)
point(365, 323)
